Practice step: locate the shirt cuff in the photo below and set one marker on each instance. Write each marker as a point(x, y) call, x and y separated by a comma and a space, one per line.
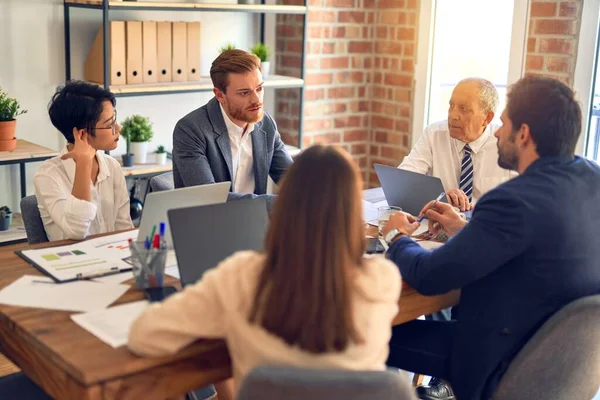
point(81, 209)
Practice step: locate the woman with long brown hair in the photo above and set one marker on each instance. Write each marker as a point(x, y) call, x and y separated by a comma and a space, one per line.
point(311, 300)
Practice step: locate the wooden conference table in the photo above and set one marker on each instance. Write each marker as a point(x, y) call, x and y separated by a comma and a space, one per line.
point(68, 362)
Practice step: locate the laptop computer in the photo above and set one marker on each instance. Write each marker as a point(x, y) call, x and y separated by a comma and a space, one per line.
point(206, 235)
point(408, 190)
point(157, 204)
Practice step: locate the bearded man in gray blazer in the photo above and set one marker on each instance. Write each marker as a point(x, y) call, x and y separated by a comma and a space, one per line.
point(231, 138)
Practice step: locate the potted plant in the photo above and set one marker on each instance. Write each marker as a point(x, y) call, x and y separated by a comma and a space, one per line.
point(161, 155)
point(227, 47)
point(5, 218)
point(9, 110)
point(139, 131)
point(262, 51)
point(128, 156)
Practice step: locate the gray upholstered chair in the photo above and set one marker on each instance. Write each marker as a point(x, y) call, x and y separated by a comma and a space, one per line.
point(562, 359)
point(279, 382)
point(34, 227)
point(162, 182)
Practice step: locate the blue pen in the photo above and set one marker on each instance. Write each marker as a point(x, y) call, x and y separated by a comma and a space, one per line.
point(422, 217)
point(162, 230)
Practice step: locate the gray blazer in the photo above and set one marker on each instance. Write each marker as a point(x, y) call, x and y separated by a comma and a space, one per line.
point(202, 151)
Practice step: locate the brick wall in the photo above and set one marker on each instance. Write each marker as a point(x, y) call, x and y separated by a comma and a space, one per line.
point(552, 38)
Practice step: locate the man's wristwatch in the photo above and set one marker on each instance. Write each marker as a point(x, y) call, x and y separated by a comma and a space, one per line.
point(392, 235)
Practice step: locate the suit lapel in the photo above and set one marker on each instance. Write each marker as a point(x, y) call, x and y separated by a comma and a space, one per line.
point(259, 156)
point(218, 123)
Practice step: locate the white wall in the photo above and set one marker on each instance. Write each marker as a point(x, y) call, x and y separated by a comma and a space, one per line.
point(32, 66)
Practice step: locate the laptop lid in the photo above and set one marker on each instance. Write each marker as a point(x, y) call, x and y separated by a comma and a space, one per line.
point(206, 235)
point(157, 204)
point(408, 190)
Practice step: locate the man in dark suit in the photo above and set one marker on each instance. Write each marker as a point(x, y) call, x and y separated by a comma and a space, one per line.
point(530, 248)
point(231, 138)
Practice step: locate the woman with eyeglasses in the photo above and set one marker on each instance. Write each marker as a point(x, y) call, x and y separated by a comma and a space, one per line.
point(311, 299)
point(82, 191)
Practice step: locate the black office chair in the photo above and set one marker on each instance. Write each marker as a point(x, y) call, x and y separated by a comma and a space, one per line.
point(19, 386)
point(34, 226)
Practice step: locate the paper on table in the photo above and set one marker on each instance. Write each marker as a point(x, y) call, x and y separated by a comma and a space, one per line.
point(372, 200)
point(116, 278)
point(111, 325)
point(171, 268)
point(42, 292)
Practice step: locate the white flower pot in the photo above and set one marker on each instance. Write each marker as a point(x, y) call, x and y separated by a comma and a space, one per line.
point(140, 152)
point(266, 68)
point(161, 158)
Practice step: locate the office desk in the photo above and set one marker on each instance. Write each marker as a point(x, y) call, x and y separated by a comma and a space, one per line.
point(25, 152)
point(69, 362)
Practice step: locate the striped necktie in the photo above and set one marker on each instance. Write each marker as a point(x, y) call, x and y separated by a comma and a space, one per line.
point(466, 173)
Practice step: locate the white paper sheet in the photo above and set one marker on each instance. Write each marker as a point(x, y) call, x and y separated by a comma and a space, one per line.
point(424, 227)
point(100, 255)
point(372, 199)
point(116, 278)
point(42, 292)
point(111, 325)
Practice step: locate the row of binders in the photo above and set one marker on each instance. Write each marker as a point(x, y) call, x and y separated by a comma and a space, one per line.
point(146, 52)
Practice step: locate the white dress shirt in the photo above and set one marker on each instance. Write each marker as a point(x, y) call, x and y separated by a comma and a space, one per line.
point(67, 217)
point(241, 155)
point(438, 154)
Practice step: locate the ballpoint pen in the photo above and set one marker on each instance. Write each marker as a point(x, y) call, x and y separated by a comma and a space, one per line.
point(422, 217)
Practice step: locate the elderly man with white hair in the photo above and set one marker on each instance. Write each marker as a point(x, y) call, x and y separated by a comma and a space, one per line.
point(462, 150)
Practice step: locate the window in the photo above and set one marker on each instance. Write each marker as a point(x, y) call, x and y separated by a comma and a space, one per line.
point(463, 38)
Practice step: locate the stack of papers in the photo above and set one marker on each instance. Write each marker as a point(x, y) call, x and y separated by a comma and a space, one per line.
point(42, 292)
point(111, 325)
point(372, 200)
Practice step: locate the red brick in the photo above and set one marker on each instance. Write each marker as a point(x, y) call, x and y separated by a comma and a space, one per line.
point(554, 27)
point(412, 5)
point(344, 92)
point(319, 78)
point(347, 122)
point(314, 94)
point(568, 9)
point(391, 4)
point(543, 9)
point(390, 17)
point(407, 34)
point(412, 19)
point(311, 62)
point(388, 48)
point(402, 126)
point(291, 61)
point(409, 49)
point(334, 62)
point(339, 3)
point(287, 30)
point(321, 16)
point(353, 17)
point(355, 136)
point(373, 149)
point(557, 46)
point(294, 45)
point(393, 153)
point(405, 111)
point(349, 77)
point(327, 138)
point(402, 95)
point(316, 125)
point(382, 122)
point(381, 32)
point(558, 64)
point(317, 32)
point(531, 45)
point(360, 47)
point(346, 32)
point(360, 148)
point(534, 62)
point(398, 80)
point(328, 48)
point(408, 65)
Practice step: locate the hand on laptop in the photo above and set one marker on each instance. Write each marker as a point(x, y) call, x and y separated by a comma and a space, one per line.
point(459, 199)
point(443, 216)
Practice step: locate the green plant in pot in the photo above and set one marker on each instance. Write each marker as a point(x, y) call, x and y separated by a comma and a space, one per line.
point(128, 156)
point(139, 132)
point(161, 155)
point(10, 109)
point(227, 47)
point(5, 218)
point(263, 52)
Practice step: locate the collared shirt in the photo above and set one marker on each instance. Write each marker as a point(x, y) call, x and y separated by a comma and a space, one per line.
point(67, 217)
point(438, 154)
point(241, 155)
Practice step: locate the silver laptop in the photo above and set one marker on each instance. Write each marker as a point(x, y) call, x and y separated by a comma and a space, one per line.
point(206, 235)
point(157, 204)
point(408, 190)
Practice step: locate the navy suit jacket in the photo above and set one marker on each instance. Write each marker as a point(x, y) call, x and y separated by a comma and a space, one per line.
point(202, 151)
point(531, 247)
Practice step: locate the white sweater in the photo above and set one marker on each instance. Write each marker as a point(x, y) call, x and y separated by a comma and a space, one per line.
point(219, 304)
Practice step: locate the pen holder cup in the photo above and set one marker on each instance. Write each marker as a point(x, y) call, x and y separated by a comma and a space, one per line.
point(148, 265)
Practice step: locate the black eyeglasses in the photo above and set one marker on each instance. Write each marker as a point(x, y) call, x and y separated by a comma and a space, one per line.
point(113, 125)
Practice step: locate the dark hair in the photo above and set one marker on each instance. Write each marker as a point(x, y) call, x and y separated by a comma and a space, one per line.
point(78, 105)
point(550, 110)
point(232, 61)
point(304, 292)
